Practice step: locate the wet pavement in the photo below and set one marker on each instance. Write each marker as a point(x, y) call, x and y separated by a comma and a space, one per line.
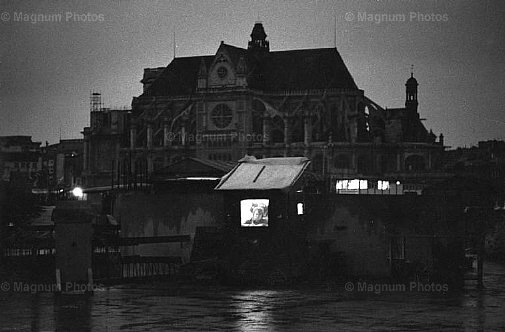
point(356, 307)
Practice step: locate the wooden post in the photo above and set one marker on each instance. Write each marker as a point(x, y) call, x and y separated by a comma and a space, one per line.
point(112, 175)
point(90, 280)
point(480, 262)
point(58, 280)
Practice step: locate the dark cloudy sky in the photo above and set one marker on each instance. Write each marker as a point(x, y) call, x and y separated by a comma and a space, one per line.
point(48, 69)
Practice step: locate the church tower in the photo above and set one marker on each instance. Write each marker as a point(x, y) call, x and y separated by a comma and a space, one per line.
point(411, 93)
point(258, 40)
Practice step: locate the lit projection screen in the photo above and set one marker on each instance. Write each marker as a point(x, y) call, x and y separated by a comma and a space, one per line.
point(254, 212)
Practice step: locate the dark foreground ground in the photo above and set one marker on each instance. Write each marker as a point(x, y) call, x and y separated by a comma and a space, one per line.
point(356, 307)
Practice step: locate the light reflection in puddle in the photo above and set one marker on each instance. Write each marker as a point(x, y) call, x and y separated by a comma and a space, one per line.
point(161, 308)
point(252, 308)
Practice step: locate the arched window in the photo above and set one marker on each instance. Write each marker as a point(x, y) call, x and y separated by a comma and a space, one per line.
point(158, 163)
point(317, 163)
point(140, 165)
point(321, 124)
point(297, 129)
point(190, 131)
point(277, 130)
point(414, 163)
point(257, 117)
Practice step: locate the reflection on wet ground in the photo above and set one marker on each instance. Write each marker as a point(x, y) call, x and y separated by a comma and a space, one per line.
point(159, 307)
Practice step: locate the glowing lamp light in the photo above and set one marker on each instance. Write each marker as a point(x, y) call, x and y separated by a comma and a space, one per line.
point(77, 192)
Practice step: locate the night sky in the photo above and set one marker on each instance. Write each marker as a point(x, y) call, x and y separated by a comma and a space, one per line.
point(48, 69)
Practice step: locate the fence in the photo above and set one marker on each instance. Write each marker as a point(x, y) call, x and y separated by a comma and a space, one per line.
point(34, 259)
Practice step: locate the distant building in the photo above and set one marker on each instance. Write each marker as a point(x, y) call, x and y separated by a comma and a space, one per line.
point(62, 163)
point(486, 162)
point(263, 103)
point(103, 141)
point(20, 159)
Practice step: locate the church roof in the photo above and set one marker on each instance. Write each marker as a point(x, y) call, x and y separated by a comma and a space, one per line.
point(179, 77)
point(306, 69)
point(234, 52)
point(283, 70)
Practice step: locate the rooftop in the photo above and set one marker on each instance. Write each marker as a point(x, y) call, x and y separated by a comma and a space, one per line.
point(264, 174)
point(321, 68)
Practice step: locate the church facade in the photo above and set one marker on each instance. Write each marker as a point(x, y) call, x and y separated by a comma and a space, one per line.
point(270, 104)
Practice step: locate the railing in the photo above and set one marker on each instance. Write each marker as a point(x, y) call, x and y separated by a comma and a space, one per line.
point(137, 266)
point(108, 263)
point(35, 260)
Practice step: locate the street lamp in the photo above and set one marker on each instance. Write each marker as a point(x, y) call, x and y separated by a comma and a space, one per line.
point(77, 192)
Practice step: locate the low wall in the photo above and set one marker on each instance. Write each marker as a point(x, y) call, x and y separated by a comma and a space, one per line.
point(362, 228)
point(353, 228)
point(143, 214)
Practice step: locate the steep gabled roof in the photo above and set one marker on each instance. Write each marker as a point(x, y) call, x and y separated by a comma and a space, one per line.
point(179, 77)
point(234, 52)
point(305, 69)
point(321, 68)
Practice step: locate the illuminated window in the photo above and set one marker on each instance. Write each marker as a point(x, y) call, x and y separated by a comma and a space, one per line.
point(299, 208)
point(352, 184)
point(383, 185)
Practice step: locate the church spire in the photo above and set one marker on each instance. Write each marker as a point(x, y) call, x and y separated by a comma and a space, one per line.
point(411, 91)
point(258, 38)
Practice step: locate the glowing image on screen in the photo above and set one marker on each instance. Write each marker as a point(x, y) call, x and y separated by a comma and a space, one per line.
point(254, 212)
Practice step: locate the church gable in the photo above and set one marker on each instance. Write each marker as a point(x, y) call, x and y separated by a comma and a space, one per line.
point(223, 71)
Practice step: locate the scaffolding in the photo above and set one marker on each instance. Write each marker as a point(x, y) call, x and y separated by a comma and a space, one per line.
point(95, 102)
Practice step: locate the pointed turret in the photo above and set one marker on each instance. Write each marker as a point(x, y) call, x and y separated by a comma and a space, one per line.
point(411, 93)
point(258, 40)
